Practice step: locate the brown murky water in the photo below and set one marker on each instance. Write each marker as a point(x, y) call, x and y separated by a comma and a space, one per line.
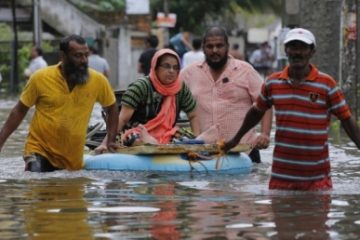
point(147, 205)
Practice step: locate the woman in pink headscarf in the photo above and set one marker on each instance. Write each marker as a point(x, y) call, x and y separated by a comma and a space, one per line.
point(152, 104)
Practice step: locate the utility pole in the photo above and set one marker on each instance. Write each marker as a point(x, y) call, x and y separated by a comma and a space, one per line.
point(291, 13)
point(37, 23)
point(166, 7)
point(357, 61)
point(166, 13)
point(14, 77)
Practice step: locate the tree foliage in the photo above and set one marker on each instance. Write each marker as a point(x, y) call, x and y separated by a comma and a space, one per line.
point(100, 5)
point(260, 5)
point(190, 14)
point(194, 15)
point(23, 53)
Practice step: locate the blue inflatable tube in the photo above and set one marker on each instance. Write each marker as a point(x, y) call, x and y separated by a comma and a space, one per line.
point(238, 162)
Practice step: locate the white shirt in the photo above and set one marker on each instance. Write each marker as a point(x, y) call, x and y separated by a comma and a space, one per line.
point(191, 57)
point(261, 58)
point(36, 64)
point(98, 63)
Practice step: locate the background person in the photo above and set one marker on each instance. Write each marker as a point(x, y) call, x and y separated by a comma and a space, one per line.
point(37, 61)
point(97, 62)
point(144, 63)
point(64, 96)
point(181, 43)
point(304, 100)
point(194, 55)
point(152, 103)
point(262, 59)
point(235, 52)
point(225, 89)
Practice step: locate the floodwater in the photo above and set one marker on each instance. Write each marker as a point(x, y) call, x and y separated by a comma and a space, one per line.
point(150, 205)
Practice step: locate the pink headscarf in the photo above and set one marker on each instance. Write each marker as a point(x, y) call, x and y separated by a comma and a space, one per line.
point(161, 127)
point(169, 89)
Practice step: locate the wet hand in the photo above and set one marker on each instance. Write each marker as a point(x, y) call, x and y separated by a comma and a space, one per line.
point(262, 141)
point(113, 147)
point(100, 149)
point(228, 145)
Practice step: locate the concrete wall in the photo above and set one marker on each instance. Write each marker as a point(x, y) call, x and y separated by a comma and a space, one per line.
point(323, 18)
point(113, 59)
point(117, 39)
point(123, 56)
point(67, 19)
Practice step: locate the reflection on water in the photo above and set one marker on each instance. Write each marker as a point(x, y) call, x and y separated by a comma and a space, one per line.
point(145, 205)
point(55, 207)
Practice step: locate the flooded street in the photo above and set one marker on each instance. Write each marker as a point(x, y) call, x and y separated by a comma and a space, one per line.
point(156, 205)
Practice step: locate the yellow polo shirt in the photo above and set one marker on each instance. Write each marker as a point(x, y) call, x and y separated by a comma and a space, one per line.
point(58, 127)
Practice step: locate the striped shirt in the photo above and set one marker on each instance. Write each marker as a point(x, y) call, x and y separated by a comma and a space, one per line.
point(303, 116)
point(142, 97)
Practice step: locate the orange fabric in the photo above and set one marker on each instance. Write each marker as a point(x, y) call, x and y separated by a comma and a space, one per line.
point(163, 226)
point(161, 127)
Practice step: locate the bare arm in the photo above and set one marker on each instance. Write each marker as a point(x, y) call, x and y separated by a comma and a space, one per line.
point(106, 69)
point(107, 73)
point(123, 118)
point(253, 117)
point(263, 140)
point(185, 39)
point(352, 130)
point(194, 122)
point(14, 119)
point(111, 126)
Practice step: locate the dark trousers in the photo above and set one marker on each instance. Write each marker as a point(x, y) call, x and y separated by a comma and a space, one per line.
point(255, 155)
point(38, 163)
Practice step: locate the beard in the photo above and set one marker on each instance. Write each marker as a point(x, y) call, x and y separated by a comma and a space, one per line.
point(217, 65)
point(76, 75)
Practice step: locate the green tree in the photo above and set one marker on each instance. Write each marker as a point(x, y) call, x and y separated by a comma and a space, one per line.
point(23, 54)
point(260, 5)
point(100, 5)
point(194, 15)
